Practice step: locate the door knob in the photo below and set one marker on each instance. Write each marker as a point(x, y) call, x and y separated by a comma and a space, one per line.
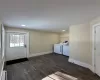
point(25, 46)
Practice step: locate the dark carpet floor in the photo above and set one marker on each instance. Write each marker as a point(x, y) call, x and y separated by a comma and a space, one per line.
point(39, 67)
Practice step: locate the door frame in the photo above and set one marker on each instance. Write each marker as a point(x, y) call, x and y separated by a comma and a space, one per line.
point(93, 46)
point(27, 37)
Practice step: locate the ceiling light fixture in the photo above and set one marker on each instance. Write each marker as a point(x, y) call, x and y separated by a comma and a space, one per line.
point(23, 25)
point(63, 30)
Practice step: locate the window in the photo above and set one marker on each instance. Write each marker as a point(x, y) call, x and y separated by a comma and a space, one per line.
point(17, 40)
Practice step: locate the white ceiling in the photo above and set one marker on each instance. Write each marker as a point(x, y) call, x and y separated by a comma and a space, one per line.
point(50, 15)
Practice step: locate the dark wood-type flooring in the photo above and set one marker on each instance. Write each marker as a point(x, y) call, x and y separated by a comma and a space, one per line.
point(39, 67)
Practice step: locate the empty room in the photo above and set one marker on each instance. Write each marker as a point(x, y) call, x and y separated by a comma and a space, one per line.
point(49, 39)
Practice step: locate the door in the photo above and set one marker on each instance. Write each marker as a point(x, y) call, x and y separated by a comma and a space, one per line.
point(97, 50)
point(16, 45)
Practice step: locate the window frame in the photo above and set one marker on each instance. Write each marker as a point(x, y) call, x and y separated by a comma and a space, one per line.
point(14, 43)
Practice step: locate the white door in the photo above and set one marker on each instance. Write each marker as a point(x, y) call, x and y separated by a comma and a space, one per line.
point(16, 45)
point(97, 51)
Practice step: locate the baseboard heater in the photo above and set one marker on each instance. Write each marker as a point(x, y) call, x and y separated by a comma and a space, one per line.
point(4, 75)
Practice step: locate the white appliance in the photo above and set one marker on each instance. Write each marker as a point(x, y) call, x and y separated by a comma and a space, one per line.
point(58, 48)
point(61, 49)
point(66, 50)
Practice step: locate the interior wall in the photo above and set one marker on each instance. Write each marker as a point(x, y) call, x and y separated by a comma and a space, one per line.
point(93, 22)
point(80, 45)
point(64, 36)
point(39, 41)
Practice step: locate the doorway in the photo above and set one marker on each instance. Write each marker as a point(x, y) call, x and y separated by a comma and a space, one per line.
point(96, 49)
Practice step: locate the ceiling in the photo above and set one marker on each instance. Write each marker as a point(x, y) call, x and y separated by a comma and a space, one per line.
point(49, 15)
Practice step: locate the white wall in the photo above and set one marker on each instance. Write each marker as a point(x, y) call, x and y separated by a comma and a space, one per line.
point(80, 45)
point(64, 36)
point(80, 39)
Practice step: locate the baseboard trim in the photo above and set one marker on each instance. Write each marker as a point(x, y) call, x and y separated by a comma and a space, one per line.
point(81, 64)
point(39, 54)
